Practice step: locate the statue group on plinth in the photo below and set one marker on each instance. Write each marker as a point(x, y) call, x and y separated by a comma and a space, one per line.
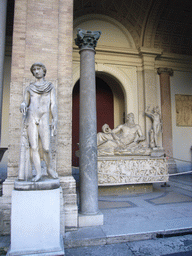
point(128, 139)
point(38, 105)
point(125, 157)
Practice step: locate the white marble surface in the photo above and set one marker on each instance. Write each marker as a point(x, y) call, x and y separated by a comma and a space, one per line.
point(35, 223)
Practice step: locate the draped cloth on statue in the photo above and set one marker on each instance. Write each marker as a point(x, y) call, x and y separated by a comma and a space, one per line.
point(43, 88)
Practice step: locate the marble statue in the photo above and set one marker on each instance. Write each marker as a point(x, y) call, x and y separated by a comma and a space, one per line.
point(38, 105)
point(126, 139)
point(156, 119)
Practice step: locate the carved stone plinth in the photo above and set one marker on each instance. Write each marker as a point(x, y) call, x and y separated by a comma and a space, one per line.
point(131, 170)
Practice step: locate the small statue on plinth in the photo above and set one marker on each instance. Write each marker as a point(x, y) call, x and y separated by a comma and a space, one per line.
point(39, 102)
point(157, 125)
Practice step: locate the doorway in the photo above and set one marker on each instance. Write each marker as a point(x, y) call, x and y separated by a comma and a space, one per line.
point(105, 112)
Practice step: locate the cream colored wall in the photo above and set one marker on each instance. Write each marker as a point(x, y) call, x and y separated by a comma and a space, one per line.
point(182, 136)
point(5, 115)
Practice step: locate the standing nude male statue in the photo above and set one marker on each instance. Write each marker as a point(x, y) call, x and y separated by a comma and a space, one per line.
point(156, 118)
point(39, 102)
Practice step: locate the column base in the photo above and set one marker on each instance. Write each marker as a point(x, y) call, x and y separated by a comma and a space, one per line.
point(90, 220)
point(172, 166)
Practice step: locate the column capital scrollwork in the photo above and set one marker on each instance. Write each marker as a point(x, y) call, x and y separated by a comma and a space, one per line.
point(87, 39)
point(165, 70)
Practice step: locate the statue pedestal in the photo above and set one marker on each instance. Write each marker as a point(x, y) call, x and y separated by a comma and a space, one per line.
point(35, 223)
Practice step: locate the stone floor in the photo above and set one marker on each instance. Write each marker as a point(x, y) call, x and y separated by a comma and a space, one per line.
point(133, 223)
point(127, 218)
point(173, 246)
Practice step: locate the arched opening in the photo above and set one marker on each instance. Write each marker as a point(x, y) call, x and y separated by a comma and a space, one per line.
point(110, 105)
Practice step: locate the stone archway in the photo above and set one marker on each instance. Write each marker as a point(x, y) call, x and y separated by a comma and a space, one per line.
point(110, 108)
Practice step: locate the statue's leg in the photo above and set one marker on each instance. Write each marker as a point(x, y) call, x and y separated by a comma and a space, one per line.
point(155, 136)
point(33, 140)
point(44, 132)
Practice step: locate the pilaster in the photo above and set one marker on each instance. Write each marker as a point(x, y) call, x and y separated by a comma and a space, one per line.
point(165, 74)
point(150, 83)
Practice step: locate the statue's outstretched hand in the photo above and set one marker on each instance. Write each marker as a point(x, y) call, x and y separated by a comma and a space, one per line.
point(23, 108)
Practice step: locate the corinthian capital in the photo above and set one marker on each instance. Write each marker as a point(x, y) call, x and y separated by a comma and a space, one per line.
point(165, 70)
point(87, 39)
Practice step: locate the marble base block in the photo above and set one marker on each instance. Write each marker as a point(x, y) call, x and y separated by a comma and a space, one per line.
point(90, 220)
point(35, 223)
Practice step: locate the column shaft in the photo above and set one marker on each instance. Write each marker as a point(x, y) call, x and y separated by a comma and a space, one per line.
point(3, 8)
point(88, 134)
point(87, 41)
point(166, 109)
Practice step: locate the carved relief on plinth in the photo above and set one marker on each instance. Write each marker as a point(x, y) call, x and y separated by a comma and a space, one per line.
point(115, 171)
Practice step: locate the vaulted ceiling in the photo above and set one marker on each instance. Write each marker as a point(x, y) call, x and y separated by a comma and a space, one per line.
point(163, 24)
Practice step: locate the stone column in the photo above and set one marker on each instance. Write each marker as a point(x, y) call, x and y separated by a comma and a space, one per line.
point(86, 41)
point(165, 74)
point(3, 8)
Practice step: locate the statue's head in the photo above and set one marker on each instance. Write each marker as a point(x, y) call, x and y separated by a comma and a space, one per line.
point(156, 110)
point(39, 64)
point(106, 128)
point(130, 117)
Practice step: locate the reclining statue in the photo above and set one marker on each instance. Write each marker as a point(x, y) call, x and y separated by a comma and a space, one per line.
point(126, 139)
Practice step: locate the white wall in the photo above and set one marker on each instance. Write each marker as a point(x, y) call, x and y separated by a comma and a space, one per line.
point(181, 83)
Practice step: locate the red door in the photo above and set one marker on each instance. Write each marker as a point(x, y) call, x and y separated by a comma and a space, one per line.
point(104, 99)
